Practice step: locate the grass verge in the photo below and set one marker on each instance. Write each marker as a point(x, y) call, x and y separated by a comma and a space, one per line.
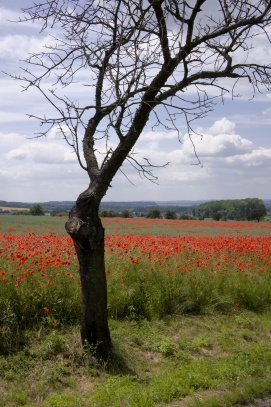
point(190, 361)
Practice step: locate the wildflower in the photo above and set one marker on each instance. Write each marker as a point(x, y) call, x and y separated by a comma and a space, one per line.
point(46, 309)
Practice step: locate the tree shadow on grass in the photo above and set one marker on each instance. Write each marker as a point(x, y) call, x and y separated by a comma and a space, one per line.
point(119, 362)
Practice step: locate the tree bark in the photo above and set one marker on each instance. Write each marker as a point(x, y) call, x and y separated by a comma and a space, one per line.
point(87, 233)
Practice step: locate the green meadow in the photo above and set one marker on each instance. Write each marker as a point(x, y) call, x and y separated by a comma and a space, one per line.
point(25, 224)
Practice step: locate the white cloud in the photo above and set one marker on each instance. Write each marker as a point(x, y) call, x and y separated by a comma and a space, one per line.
point(56, 134)
point(42, 152)
point(158, 136)
point(226, 159)
point(259, 157)
point(221, 145)
point(223, 126)
point(10, 15)
point(28, 44)
point(10, 139)
point(7, 15)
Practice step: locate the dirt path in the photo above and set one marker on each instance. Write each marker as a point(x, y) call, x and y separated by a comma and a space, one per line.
point(260, 403)
point(187, 400)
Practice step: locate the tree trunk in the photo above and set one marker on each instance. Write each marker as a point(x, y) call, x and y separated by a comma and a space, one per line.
point(87, 233)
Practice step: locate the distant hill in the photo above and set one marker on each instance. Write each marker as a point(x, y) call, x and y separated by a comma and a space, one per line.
point(185, 202)
point(51, 207)
point(137, 207)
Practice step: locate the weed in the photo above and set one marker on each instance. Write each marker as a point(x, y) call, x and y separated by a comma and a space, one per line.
point(153, 362)
point(63, 400)
point(20, 399)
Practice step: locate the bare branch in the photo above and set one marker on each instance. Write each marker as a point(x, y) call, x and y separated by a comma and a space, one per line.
point(145, 170)
point(129, 57)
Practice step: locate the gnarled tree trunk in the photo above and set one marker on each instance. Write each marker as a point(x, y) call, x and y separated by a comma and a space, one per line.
point(86, 230)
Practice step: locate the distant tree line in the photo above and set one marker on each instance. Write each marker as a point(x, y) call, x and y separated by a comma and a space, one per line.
point(37, 210)
point(235, 209)
point(155, 213)
point(109, 213)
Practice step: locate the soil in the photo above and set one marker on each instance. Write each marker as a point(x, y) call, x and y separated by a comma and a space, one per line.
point(184, 402)
point(260, 403)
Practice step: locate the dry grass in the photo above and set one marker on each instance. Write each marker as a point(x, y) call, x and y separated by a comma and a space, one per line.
point(9, 208)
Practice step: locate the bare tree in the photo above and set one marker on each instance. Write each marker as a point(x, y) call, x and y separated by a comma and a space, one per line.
point(164, 59)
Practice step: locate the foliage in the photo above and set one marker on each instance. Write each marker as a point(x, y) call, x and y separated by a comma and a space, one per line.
point(36, 210)
point(58, 211)
point(170, 215)
point(59, 214)
point(154, 213)
point(107, 213)
point(25, 213)
point(185, 216)
point(256, 209)
point(126, 214)
point(236, 209)
point(216, 215)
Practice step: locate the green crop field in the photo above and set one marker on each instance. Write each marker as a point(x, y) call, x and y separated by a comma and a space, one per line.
point(136, 226)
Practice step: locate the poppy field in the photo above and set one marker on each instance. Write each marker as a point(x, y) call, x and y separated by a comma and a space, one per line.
point(150, 273)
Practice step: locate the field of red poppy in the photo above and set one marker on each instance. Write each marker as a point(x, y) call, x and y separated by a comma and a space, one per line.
point(143, 226)
point(189, 307)
point(154, 268)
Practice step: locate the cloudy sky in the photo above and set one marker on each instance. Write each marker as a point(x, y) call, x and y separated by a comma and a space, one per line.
point(234, 149)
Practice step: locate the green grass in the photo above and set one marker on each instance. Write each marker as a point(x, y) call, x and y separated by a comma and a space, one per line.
point(31, 224)
point(209, 361)
point(136, 226)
